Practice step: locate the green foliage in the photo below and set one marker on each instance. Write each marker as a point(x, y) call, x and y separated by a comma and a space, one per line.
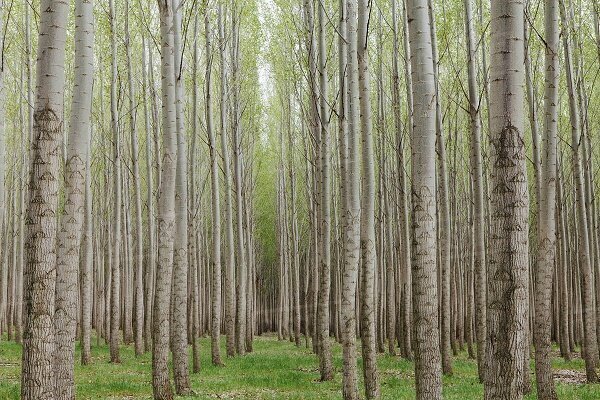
point(276, 370)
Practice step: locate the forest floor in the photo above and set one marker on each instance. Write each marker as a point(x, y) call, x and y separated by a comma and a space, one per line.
point(275, 370)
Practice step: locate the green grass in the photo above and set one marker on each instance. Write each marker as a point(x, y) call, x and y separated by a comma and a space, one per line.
point(275, 370)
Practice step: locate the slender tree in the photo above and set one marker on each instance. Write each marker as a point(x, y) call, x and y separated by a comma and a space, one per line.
point(477, 179)
point(367, 219)
point(424, 274)
point(325, 359)
point(179, 295)
point(583, 247)
point(166, 210)
point(215, 203)
point(115, 271)
point(70, 232)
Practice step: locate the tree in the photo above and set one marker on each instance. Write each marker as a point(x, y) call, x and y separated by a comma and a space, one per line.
point(179, 295)
point(352, 217)
point(242, 275)
point(166, 209)
point(367, 219)
point(137, 194)
point(70, 232)
point(478, 204)
point(547, 209)
point(230, 243)
point(215, 203)
point(115, 278)
point(508, 262)
point(424, 247)
point(585, 268)
point(443, 204)
point(323, 317)
point(37, 368)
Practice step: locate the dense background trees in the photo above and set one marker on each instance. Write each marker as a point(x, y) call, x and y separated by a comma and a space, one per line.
point(412, 177)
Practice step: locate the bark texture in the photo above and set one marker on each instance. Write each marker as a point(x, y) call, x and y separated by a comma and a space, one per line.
point(37, 368)
point(508, 264)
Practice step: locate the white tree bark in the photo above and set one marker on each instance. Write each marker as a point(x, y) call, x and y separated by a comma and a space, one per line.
point(508, 262)
point(547, 244)
point(166, 210)
point(70, 233)
point(367, 219)
point(352, 217)
point(215, 327)
point(115, 281)
point(229, 238)
point(37, 370)
point(179, 296)
point(424, 246)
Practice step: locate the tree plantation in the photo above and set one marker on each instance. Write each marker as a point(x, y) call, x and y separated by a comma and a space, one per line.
point(299, 199)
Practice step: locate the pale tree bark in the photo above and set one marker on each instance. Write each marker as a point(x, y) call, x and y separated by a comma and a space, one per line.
point(392, 284)
point(166, 210)
point(367, 219)
point(324, 344)
point(193, 258)
point(151, 217)
point(229, 238)
point(179, 295)
point(215, 329)
point(294, 234)
point(546, 235)
point(20, 171)
point(352, 216)
point(87, 267)
point(138, 255)
point(424, 247)
point(342, 146)
point(476, 161)
point(37, 368)
point(508, 265)
point(115, 280)
point(242, 272)
point(406, 270)
point(590, 345)
point(444, 206)
point(70, 232)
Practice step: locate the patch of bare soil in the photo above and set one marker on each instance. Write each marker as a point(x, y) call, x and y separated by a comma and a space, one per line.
point(240, 394)
point(570, 376)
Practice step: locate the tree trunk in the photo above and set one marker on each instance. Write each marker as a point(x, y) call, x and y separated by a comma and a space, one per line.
point(367, 219)
point(590, 345)
point(69, 235)
point(508, 266)
point(546, 257)
point(352, 216)
point(444, 207)
point(166, 210)
point(151, 233)
point(324, 344)
point(179, 296)
point(241, 276)
point(115, 281)
point(216, 210)
point(424, 246)
point(479, 264)
point(87, 273)
point(37, 368)
point(137, 194)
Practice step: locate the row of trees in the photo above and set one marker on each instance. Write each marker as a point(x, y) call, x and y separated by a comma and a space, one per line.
point(343, 170)
point(477, 261)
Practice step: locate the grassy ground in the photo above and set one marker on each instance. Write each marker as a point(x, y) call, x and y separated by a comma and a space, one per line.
point(276, 370)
